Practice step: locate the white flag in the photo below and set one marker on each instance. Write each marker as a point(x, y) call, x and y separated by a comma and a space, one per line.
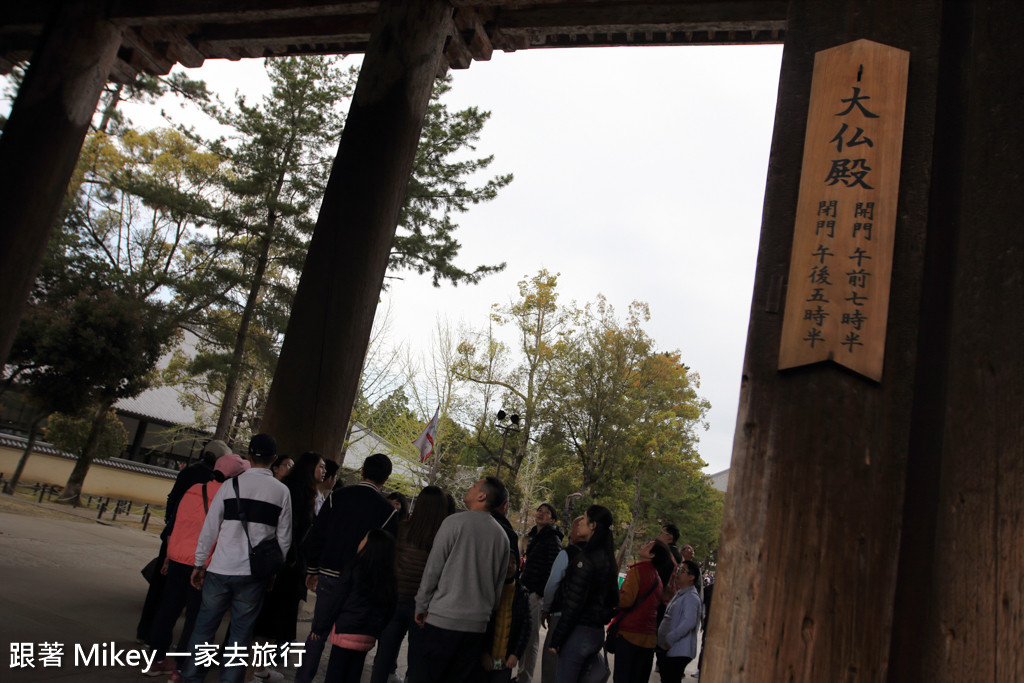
point(425, 441)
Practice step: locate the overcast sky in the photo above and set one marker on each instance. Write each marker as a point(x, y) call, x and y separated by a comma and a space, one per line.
point(639, 174)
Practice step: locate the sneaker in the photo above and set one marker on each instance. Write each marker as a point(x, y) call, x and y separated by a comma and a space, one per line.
point(161, 668)
point(394, 678)
point(268, 676)
point(175, 677)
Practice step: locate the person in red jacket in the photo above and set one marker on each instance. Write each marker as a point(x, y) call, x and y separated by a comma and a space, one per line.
point(178, 593)
point(639, 598)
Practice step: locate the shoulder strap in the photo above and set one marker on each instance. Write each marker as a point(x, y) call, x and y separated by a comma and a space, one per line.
point(640, 601)
point(206, 501)
point(241, 514)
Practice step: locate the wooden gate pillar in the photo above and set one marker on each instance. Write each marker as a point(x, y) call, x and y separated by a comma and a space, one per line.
point(318, 372)
point(959, 610)
point(811, 537)
point(41, 143)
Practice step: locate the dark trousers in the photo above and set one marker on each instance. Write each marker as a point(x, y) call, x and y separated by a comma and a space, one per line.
point(632, 662)
point(344, 666)
point(390, 642)
point(673, 668)
point(178, 594)
point(325, 611)
point(448, 656)
point(152, 603)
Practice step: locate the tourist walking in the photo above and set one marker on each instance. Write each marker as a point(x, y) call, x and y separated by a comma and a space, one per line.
point(363, 599)
point(678, 631)
point(412, 548)
point(252, 508)
point(543, 546)
point(637, 622)
point(590, 593)
point(340, 526)
point(277, 620)
point(461, 584)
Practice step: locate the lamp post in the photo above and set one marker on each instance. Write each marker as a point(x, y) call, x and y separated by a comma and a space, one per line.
point(512, 426)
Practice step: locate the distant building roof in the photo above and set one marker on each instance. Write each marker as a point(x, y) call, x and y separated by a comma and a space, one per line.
point(161, 404)
point(720, 480)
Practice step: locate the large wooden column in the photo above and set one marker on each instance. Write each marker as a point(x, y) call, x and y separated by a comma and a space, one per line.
point(960, 597)
point(811, 539)
point(318, 372)
point(41, 143)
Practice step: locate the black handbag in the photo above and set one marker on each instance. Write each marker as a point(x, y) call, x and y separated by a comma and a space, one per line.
point(613, 627)
point(266, 558)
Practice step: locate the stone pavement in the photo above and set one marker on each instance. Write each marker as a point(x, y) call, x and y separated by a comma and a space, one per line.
point(66, 578)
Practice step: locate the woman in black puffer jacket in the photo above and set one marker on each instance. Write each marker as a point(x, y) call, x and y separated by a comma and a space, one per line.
point(589, 594)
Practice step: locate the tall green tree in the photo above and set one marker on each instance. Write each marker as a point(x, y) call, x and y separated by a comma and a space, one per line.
point(536, 320)
point(280, 152)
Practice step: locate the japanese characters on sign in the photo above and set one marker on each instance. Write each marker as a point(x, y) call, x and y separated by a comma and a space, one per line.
point(837, 299)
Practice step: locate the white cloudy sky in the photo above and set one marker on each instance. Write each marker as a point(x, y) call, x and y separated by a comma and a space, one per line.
point(639, 174)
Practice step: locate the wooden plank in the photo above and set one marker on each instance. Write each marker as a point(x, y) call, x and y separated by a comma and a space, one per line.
point(837, 301)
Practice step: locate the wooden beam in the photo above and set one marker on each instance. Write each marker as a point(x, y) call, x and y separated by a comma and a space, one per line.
point(321, 359)
point(457, 52)
point(41, 144)
point(289, 31)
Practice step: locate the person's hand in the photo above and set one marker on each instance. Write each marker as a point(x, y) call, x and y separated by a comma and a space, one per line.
point(165, 565)
point(487, 662)
point(511, 662)
point(544, 618)
point(198, 574)
point(311, 581)
point(421, 619)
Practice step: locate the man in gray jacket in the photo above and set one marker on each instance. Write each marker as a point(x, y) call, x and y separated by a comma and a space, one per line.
point(461, 584)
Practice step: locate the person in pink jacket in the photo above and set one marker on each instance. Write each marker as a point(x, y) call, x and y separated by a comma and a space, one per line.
point(181, 548)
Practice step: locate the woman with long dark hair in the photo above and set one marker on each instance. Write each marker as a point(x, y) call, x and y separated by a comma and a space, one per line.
point(589, 593)
point(366, 601)
point(415, 539)
point(280, 610)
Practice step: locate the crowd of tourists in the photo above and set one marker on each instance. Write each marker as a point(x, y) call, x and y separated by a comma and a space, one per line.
point(251, 537)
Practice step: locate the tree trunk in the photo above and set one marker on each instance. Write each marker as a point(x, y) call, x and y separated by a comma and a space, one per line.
point(627, 546)
point(73, 487)
point(227, 406)
point(33, 430)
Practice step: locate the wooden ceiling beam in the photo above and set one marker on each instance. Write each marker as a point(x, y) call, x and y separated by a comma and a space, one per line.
point(233, 11)
point(637, 16)
point(290, 31)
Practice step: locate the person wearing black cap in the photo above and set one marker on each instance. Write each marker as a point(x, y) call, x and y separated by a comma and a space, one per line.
point(247, 510)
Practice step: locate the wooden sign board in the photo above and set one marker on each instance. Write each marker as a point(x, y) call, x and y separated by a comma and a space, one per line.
point(837, 301)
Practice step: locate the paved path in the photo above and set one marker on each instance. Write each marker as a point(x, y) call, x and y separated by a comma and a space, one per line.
point(68, 579)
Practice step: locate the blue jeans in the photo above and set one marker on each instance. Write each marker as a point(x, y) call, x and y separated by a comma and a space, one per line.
point(390, 643)
point(578, 653)
point(243, 595)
